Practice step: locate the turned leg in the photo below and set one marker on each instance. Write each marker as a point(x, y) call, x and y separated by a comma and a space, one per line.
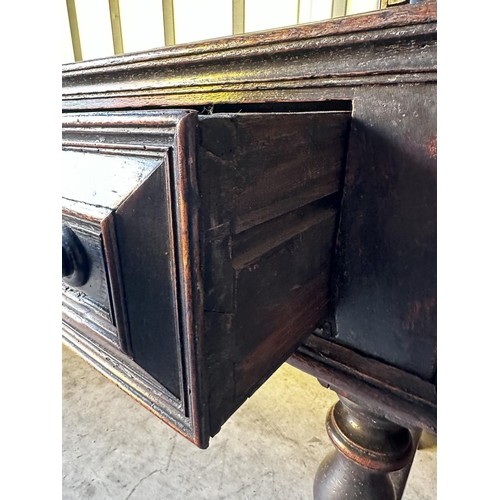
point(368, 448)
point(400, 477)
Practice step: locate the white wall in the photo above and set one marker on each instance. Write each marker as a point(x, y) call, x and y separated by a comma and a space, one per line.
point(94, 26)
point(359, 6)
point(142, 24)
point(202, 19)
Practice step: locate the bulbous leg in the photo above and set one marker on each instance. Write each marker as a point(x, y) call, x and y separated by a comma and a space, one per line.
point(368, 448)
point(340, 478)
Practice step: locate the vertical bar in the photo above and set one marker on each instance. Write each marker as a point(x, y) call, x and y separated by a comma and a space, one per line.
point(168, 22)
point(238, 17)
point(116, 26)
point(339, 8)
point(73, 26)
point(298, 12)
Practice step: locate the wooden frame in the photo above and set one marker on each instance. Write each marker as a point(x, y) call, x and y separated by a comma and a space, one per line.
point(166, 136)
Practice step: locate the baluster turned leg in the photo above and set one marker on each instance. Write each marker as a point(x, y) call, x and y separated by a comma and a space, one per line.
point(368, 448)
point(400, 477)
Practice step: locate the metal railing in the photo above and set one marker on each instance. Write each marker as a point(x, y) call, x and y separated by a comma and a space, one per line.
point(102, 28)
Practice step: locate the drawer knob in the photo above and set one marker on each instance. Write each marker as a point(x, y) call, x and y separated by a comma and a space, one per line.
point(75, 264)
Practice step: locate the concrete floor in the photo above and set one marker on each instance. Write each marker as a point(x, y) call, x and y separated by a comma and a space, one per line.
point(269, 449)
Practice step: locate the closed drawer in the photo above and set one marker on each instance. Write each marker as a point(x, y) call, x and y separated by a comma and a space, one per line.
point(197, 250)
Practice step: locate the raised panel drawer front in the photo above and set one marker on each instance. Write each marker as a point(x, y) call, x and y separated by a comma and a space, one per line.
point(197, 250)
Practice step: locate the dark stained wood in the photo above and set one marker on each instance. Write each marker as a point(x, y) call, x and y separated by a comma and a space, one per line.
point(367, 449)
point(400, 478)
point(80, 336)
point(392, 393)
point(123, 180)
point(259, 258)
point(268, 211)
point(252, 213)
point(253, 162)
point(145, 268)
point(385, 263)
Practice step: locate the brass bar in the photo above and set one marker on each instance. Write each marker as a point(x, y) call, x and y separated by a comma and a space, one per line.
point(116, 26)
point(238, 17)
point(339, 8)
point(168, 22)
point(75, 33)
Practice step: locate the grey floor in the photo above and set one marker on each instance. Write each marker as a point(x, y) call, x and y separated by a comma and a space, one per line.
point(269, 449)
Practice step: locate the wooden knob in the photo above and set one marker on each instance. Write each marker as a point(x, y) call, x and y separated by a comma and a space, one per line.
point(75, 264)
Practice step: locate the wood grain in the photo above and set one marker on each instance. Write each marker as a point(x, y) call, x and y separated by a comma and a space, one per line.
point(269, 186)
point(208, 309)
point(255, 197)
point(123, 178)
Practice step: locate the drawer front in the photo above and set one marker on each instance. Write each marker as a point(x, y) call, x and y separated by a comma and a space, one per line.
point(124, 209)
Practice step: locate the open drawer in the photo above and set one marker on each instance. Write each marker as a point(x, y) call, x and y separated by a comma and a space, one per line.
point(197, 250)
